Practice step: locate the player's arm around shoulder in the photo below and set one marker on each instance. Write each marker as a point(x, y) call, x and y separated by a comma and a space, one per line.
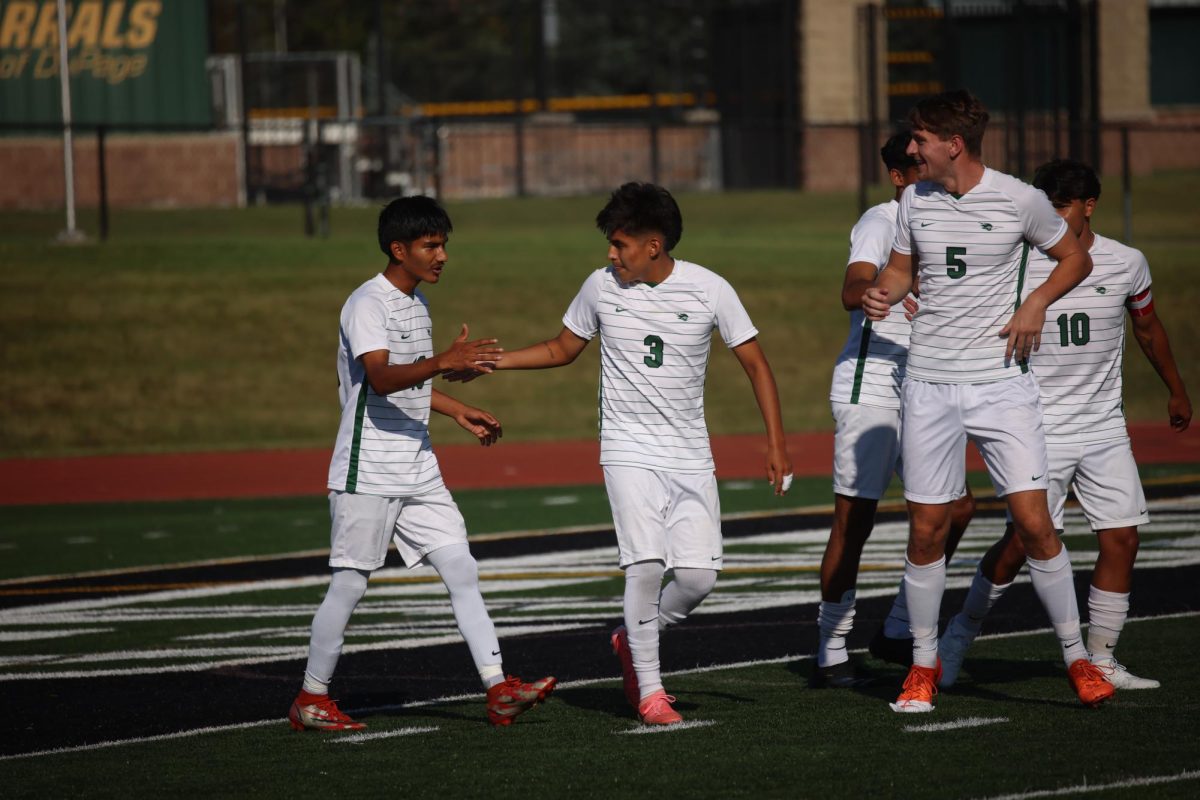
point(762, 380)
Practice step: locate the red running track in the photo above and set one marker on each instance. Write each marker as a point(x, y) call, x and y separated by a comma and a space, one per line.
point(287, 473)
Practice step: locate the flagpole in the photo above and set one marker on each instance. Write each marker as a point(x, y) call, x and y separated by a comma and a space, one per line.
point(64, 82)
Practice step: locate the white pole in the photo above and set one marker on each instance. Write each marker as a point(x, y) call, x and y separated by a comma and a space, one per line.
point(68, 151)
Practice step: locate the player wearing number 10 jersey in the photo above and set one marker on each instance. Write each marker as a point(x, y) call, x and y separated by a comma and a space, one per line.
point(966, 231)
point(655, 316)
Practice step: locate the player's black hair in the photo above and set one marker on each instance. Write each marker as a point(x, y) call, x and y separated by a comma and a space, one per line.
point(407, 219)
point(895, 152)
point(640, 208)
point(1065, 179)
point(956, 113)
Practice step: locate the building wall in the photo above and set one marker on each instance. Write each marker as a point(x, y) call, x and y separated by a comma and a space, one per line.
point(1124, 60)
point(160, 171)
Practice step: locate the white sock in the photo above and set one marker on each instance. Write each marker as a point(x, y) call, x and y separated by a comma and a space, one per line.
point(835, 621)
point(346, 588)
point(643, 585)
point(688, 587)
point(1106, 617)
point(924, 587)
point(896, 624)
point(460, 573)
point(1055, 586)
point(982, 595)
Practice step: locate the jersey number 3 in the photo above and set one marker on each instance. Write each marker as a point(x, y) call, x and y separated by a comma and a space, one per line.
point(956, 267)
point(656, 351)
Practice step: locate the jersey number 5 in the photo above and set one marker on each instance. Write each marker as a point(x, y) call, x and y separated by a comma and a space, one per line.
point(656, 351)
point(956, 267)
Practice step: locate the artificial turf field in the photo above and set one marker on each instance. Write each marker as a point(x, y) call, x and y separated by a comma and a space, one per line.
point(210, 655)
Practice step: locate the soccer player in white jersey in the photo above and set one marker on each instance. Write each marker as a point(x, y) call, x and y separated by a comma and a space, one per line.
point(655, 316)
point(966, 229)
point(384, 479)
point(865, 400)
point(1078, 369)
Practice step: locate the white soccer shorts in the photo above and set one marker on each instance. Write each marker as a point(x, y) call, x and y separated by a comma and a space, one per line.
point(866, 449)
point(364, 525)
point(1003, 418)
point(1106, 483)
point(672, 517)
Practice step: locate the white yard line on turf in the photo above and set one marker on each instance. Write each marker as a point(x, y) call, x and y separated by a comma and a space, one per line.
point(359, 738)
point(1092, 788)
point(965, 722)
point(143, 739)
point(678, 726)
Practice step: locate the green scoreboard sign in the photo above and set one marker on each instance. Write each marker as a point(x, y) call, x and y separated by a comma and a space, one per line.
point(130, 62)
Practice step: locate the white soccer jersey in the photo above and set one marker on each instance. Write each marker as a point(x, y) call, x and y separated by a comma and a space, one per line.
point(971, 252)
point(383, 443)
point(654, 348)
point(1078, 365)
point(870, 369)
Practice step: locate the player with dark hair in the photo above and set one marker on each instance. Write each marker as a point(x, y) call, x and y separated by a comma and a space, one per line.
point(655, 316)
point(865, 400)
point(1078, 369)
point(384, 479)
point(965, 230)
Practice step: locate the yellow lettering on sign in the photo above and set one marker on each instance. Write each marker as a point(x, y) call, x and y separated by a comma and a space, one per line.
point(143, 23)
point(111, 37)
point(85, 24)
point(46, 32)
point(18, 19)
point(46, 65)
point(12, 66)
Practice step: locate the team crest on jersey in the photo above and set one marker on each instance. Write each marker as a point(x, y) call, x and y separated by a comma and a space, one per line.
point(1101, 290)
point(682, 317)
point(987, 226)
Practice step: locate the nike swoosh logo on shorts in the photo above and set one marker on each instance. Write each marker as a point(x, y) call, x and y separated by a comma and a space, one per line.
point(647, 621)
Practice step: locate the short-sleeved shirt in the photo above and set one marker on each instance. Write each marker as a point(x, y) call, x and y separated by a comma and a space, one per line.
point(971, 251)
point(1078, 365)
point(870, 368)
point(382, 445)
point(654, 347)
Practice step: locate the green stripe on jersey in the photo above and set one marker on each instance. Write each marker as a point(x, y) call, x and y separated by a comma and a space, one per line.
point(862, 361)
point(1021, 288)
point(359, 413)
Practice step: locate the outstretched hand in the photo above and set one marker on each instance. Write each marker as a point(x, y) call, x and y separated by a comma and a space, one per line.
point(482, 425)
point(469, 357)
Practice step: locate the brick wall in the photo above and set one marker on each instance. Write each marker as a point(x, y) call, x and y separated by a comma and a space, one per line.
point(147, 171)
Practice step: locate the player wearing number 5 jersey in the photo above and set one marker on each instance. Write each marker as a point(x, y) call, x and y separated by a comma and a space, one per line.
point(966, 230)
point(1078, 369)
point(655, 316)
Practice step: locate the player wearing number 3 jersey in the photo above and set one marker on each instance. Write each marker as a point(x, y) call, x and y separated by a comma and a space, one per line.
point(965, 230)
point(655, 316)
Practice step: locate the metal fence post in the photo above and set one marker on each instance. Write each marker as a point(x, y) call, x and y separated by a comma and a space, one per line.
point(102, 200)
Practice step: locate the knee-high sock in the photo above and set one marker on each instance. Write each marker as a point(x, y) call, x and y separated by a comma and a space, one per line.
point(460, 573)
point(346, 588)
point(923, 587)
point(686, 590)
point(982, 595)
point(1106, 617)
point(1055, 586)
point(643, 585)
point(835, 621)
